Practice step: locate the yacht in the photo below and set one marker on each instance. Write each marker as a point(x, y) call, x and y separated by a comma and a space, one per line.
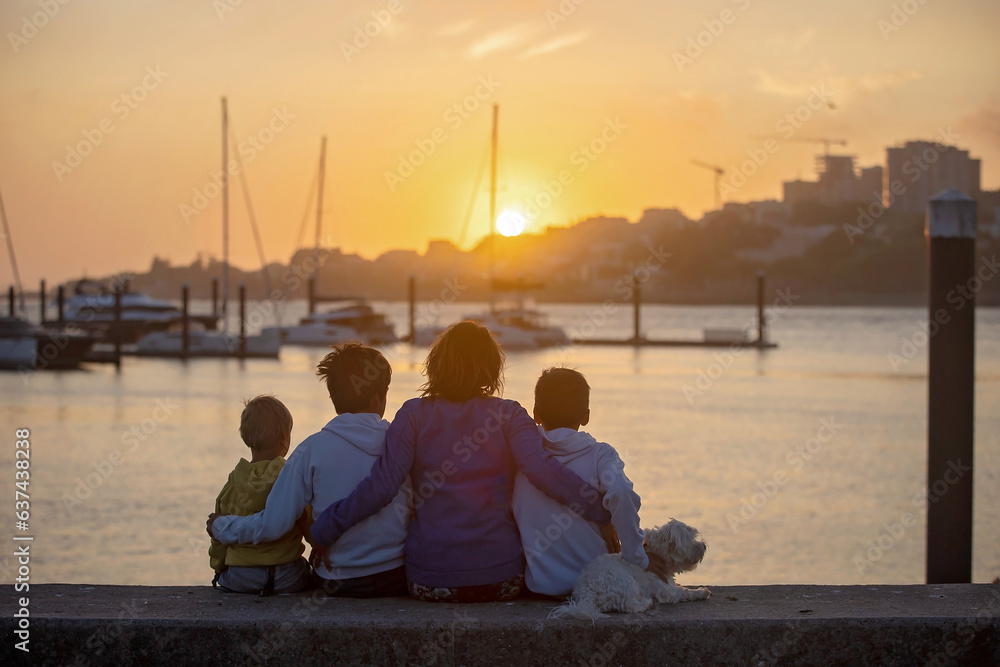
point(354, 321)
point(92, 308)
point(516, 326)
point(204, 343)
point(26, 346)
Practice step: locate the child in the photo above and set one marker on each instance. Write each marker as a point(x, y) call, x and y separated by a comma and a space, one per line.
point(325, 467)
point(461, 444)
point(557, 541)
point(278, 565)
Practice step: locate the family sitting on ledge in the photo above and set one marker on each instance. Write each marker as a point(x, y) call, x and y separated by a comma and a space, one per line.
point(462, 498)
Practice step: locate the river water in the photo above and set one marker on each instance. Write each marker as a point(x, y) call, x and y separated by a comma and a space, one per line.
point(799, 464)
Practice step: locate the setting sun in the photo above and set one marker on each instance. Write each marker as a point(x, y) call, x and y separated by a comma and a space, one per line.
point(510, 223)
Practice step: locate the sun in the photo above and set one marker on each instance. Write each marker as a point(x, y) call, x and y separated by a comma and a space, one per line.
point(510, 223)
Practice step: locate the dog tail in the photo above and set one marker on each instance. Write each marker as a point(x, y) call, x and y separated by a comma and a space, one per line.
point(584, 609)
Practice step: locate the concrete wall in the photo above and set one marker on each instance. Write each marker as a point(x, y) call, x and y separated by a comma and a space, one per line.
point(802, 625)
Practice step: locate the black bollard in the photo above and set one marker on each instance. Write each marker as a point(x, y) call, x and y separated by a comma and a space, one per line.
point(185, 324)
point(243, 321)
point(951, 330)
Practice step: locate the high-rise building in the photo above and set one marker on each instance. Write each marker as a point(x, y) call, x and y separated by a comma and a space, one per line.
point(838, 183)
point(918, 170)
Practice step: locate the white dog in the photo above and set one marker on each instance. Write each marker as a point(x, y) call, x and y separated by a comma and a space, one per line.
point(610, 583)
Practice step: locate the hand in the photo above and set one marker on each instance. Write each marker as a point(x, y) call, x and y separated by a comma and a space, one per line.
point(657, 566)
point(208, 524)
point(610, 536)
point(320, 555)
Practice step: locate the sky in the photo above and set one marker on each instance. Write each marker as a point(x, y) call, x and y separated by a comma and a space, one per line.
point(110, 126)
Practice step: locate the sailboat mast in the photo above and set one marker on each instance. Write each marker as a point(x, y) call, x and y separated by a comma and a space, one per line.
point(319, 200)
point(493, 193)
point(10, 251)
point(225, 216)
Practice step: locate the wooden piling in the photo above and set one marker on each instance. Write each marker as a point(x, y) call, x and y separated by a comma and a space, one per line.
point(761, 331)
point(951, 331)
point(636, 307)
point(41, 301)
point(118, 327)
point(411, 295)
point(312, 295)
point(215, 297)
point(60, 303)
point(243, 321)
point(185, 324)
point(10, 300)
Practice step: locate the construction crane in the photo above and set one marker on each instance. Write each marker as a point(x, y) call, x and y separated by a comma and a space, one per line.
point(719, 173)
point(826, 141)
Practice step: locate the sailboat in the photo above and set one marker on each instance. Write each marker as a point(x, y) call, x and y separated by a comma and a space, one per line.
point(512, 319)
point(353, 319)
point(26, 346)
point(201, 341)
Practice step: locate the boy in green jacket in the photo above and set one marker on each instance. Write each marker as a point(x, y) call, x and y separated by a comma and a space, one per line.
point(273, 567)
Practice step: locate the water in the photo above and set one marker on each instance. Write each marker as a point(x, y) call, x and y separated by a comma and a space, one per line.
point(125, 467)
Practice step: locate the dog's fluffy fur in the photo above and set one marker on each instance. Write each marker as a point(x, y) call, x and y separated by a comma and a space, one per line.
point(610, 583)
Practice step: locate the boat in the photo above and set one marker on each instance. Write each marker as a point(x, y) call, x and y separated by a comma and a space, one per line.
point(354, 321)
point(92, 308)
point(515, 323)
point(205, 343)
point(25, 346)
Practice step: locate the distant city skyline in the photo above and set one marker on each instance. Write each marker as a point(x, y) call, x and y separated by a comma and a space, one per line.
point(111, 131)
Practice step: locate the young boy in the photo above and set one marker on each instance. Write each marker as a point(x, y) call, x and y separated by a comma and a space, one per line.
point(276, 566)
point(558, 543)
point(367, 561)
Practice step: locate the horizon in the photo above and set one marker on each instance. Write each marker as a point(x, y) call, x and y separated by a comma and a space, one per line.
point(143, 86)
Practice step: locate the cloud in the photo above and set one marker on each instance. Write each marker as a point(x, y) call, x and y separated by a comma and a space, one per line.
point(454, 29)
point(983, 124)
point(842, 87)
point(502, 40)
point(556, 44)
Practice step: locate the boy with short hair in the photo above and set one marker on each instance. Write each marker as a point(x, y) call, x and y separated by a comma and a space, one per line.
point(367, 561)
point(276, 566)
point(558, 543)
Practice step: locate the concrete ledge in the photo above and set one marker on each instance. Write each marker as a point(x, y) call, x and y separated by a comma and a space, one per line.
point(759, 625)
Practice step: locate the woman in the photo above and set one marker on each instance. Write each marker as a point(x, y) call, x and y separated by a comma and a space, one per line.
point(461, 445)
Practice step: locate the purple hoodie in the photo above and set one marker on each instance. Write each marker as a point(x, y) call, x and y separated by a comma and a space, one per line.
point(462, 459)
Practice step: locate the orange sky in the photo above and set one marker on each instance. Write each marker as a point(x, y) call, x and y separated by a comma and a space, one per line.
point(562, 80)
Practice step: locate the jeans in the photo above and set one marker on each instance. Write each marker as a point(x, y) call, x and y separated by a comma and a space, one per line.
point(288, 578)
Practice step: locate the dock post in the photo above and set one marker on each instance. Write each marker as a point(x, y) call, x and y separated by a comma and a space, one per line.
point(118, 327)
point(951, 330)
point(10, 300)
point(412, 297)
point(312, 295)
point(761, 322)
point(41, 302)
point(636, 304)
point(185, 328)
point(215, 297)
point(243, 321)
point(60, 302)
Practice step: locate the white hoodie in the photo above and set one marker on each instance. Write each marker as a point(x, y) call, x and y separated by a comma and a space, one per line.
point(557, 542)
point(324, 468)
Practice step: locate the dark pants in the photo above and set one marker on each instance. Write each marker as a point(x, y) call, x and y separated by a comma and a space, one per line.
point(391, 583)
